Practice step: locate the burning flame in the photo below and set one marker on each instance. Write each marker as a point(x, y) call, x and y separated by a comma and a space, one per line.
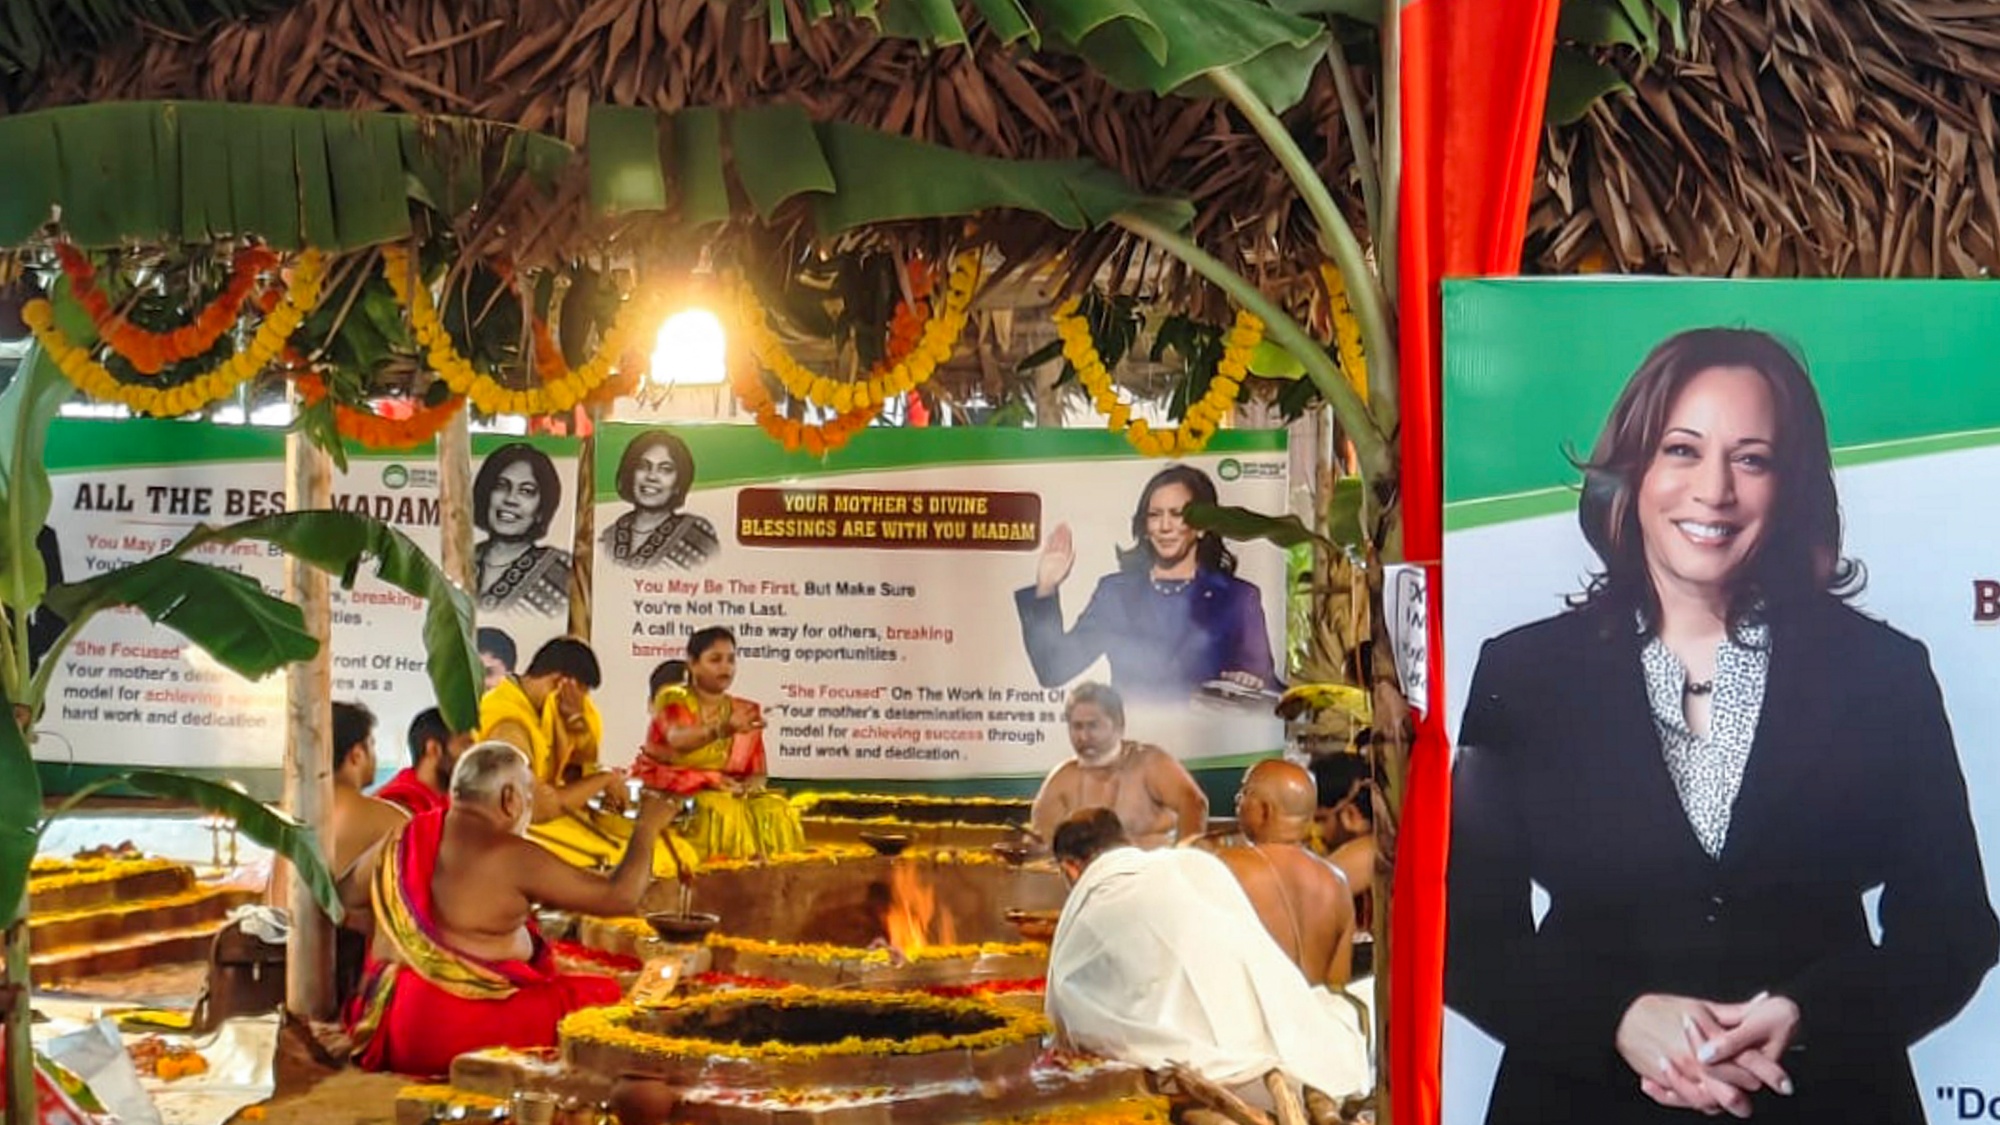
point(912, 921)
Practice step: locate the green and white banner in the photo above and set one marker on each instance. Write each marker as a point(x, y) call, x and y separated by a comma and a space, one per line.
point(886, 598)
point(1771, 826)
point(131, 693)
point(877, 595)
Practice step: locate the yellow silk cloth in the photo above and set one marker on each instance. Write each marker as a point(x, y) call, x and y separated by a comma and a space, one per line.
point(583, 838)
point(734, 826)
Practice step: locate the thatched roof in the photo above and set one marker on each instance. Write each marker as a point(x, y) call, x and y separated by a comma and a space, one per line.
point(1791, 137)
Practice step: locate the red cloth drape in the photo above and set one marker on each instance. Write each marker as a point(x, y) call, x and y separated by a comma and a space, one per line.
point(1475, 75)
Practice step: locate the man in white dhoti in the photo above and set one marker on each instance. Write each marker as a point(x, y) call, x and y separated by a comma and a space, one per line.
point(1159, 957)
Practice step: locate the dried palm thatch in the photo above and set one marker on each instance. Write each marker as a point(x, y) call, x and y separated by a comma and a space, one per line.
point(540, 65)
point(1795, 137)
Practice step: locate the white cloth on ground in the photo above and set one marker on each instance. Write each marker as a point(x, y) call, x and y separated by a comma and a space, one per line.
point(1159, 957)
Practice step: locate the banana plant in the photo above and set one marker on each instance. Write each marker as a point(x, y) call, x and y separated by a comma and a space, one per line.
point(231, 617)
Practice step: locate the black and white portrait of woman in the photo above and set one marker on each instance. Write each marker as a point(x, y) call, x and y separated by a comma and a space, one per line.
point(515, 498)
point(654, 476)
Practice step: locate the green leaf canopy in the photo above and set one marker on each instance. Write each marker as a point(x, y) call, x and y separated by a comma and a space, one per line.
point(339, 542)
point(642, 160)
point(194, 171)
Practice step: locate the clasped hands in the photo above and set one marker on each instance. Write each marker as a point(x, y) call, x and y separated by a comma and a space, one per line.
point(1705, 1056)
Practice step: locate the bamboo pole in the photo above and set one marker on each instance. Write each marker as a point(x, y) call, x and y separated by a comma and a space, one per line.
point(583, 542)
point(309, 740)
point(20, 1094)
point(454, 454)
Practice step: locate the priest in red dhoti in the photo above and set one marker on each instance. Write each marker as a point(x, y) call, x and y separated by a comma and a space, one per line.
point(457, 963)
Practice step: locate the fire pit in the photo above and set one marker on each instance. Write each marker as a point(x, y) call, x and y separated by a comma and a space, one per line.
point(795, 1055)
point(850, 918)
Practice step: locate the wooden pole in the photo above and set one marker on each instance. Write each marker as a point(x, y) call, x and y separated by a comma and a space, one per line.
point(454, 455)
point(583, 543)
point(309, 740)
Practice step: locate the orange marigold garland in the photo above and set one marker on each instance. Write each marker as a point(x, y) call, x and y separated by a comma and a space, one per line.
point(150, 352)
point(907, 326)
point(372, 431)
point(792, 433)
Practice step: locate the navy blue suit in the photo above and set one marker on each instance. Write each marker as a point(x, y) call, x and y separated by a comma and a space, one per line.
point(1162, 647)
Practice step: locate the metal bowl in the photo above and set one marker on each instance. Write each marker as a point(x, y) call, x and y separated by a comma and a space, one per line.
point(556, 925)
point(673, 926)
point(886, 843)
point(1013, 852)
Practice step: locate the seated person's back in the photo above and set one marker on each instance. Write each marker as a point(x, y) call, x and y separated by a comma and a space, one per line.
point(1302, 900)
point(1159, 957)
point(359, 821)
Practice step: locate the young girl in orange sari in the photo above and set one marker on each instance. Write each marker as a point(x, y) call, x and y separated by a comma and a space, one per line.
point(708, 744)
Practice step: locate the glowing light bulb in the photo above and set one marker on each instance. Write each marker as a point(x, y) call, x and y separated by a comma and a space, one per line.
point(690, 350)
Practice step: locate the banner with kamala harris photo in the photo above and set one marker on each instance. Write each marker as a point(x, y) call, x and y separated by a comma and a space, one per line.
point(916, 605)
point(1722, 625)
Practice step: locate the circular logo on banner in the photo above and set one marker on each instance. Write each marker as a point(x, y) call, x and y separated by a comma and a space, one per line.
point(1229, 469)
point(395, 476)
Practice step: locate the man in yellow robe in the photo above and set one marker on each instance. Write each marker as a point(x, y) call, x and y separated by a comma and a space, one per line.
point(546, 712)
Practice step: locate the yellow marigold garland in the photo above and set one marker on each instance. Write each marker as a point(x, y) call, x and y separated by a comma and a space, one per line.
point(827, 954)
point(933, 347)
point(612, 1027)
point(1346, 330)
point(556, 395)
point(790, 432)
point(204, 390)
point(1202, 419)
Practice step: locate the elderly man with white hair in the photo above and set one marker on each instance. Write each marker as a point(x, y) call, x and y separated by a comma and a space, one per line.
point(457, 963)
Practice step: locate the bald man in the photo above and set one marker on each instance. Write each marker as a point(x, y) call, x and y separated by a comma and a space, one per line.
point(1301, 899)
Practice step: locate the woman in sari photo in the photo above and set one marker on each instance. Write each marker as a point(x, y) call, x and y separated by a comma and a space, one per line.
point(515, 498)
point(654, 476)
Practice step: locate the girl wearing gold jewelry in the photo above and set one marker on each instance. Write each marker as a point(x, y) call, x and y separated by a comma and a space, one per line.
point(708, 744)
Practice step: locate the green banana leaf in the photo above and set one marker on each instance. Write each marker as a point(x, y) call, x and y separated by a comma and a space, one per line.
point(1233, 522)
point(253, 633)
point(1576, 82)
point(20, 808)
point(232, 617)
point(851, 175)
point(27, 407)
point(339, 542)
point(193, 171)
point(1164, 46)
point(269, 826)
point(1155, 45)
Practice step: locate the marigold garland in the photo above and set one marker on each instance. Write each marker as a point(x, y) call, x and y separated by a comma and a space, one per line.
point(372, 431)
point(1202, 419)
point(204, 390)
point(612, 1027)
point(891, 379)
point(557, 395)
point(1346, 330)
point(826, 954)
point(150, 352)
point(793, 434)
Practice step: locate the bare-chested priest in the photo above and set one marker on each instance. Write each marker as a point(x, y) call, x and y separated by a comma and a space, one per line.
point(457, 964)
point(1302, 899)
point(1155, 799)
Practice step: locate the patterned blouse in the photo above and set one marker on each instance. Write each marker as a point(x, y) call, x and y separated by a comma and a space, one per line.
point(1707, 772)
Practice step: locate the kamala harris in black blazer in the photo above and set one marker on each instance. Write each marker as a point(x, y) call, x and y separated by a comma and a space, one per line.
point(1668, 976)
point(1852, 783)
